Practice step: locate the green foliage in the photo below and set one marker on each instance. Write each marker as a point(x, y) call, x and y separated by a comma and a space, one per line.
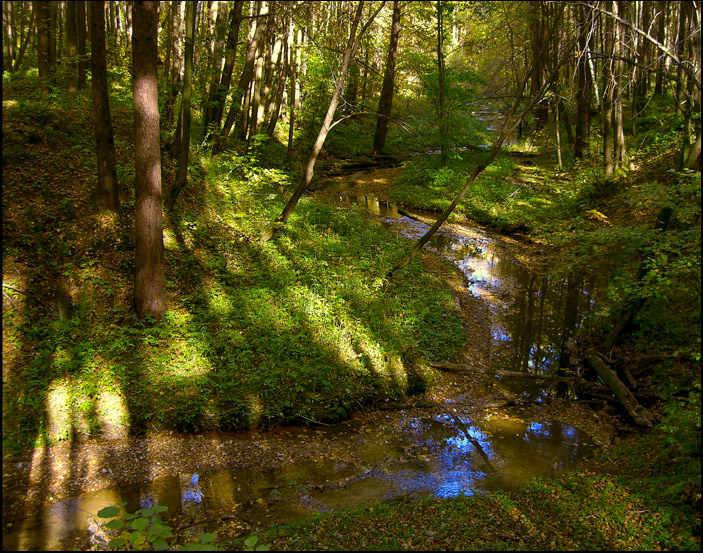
point(145, 530)
point(250, 544)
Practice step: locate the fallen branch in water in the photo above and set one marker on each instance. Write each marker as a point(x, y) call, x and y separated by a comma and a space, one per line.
point(458, 367)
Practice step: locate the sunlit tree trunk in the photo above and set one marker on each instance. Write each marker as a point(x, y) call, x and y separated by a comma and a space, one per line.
point(184, 139)
point(230, 58)
point(608, 93)
point(441, 112)
point(585, 90)
point(149, 281)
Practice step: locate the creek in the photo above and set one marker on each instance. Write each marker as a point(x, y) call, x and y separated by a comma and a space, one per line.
point(467, 445)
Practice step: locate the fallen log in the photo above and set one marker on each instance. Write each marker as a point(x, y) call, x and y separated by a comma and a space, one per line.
point(458, 367)
point(639, 414)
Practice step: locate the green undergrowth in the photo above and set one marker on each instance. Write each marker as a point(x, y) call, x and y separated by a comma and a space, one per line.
point(301, 329)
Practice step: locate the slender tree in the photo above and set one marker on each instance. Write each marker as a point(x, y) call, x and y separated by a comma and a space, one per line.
point(71, 47)
point(82, 33)
point(182, 177)
point(107, 195)
point(149, 281)
point(43, 11)
point(385, 103)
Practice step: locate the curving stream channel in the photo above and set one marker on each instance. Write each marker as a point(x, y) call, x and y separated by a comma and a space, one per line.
point(469, 444)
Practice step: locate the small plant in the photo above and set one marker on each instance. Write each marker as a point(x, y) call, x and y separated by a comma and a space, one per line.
point(250, 544)
point(144, 530)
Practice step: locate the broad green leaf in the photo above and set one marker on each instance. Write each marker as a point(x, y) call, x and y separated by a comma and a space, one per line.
point(146, 512)
point(115, 524)
point(160, 508)
point(117, 543)
point(251, 541)
point(160, 545)
point(207, 538)
point(109, 512)
point(140, 524)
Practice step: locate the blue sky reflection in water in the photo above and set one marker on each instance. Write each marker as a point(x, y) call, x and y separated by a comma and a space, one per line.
point(531, 314)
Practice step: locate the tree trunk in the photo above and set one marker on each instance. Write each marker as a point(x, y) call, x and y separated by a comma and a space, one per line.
point(24, 42)
point(82, 32)
point(149, 281)
point(608, 93)
point(326, 124)
point(440, 71)
point(42, 9)
point(53, 15)
point(230, 58)
point(242, 87)
point(71, 47)
point(173, 6)
point(182, 177)
point(220, 27)
point(107, 196)
point(585, 90)
point(385, 103)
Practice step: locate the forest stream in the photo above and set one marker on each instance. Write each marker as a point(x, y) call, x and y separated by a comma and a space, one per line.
point(469, 434)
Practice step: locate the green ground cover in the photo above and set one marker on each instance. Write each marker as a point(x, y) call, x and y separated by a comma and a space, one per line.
point(300, 329)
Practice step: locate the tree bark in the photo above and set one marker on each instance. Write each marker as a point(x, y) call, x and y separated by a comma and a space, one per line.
point(182, 177)
point(585, 90)
point(220, 28)
point(41, 8)
point(242, 87)
point(385, 103)
point(82, 33)
point(149, 281)
point(71, 48)
point(442, 115)
point(107, 195)
point(230, 58)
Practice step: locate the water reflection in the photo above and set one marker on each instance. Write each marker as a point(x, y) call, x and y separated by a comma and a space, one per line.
point(532, 315)
point(444, 455)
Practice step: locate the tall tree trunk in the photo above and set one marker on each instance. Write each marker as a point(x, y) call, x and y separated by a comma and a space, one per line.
point(275, 110)
point(220, 30)
point(326, 124)
point(149, 281)
point(53, 14)
point(82, 32)
point(585, 90)
point(172, 7)
point(71, 47)
point(107, 196)
point(385, 103)
point(661, 28)
point(43, 11)
point(24, 42)
point(292, 91)
point(621, 158)
point(182, 177)
point(440, 70)
point(608, 92)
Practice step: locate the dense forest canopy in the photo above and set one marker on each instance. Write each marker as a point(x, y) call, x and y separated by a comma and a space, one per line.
point(166, 266)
